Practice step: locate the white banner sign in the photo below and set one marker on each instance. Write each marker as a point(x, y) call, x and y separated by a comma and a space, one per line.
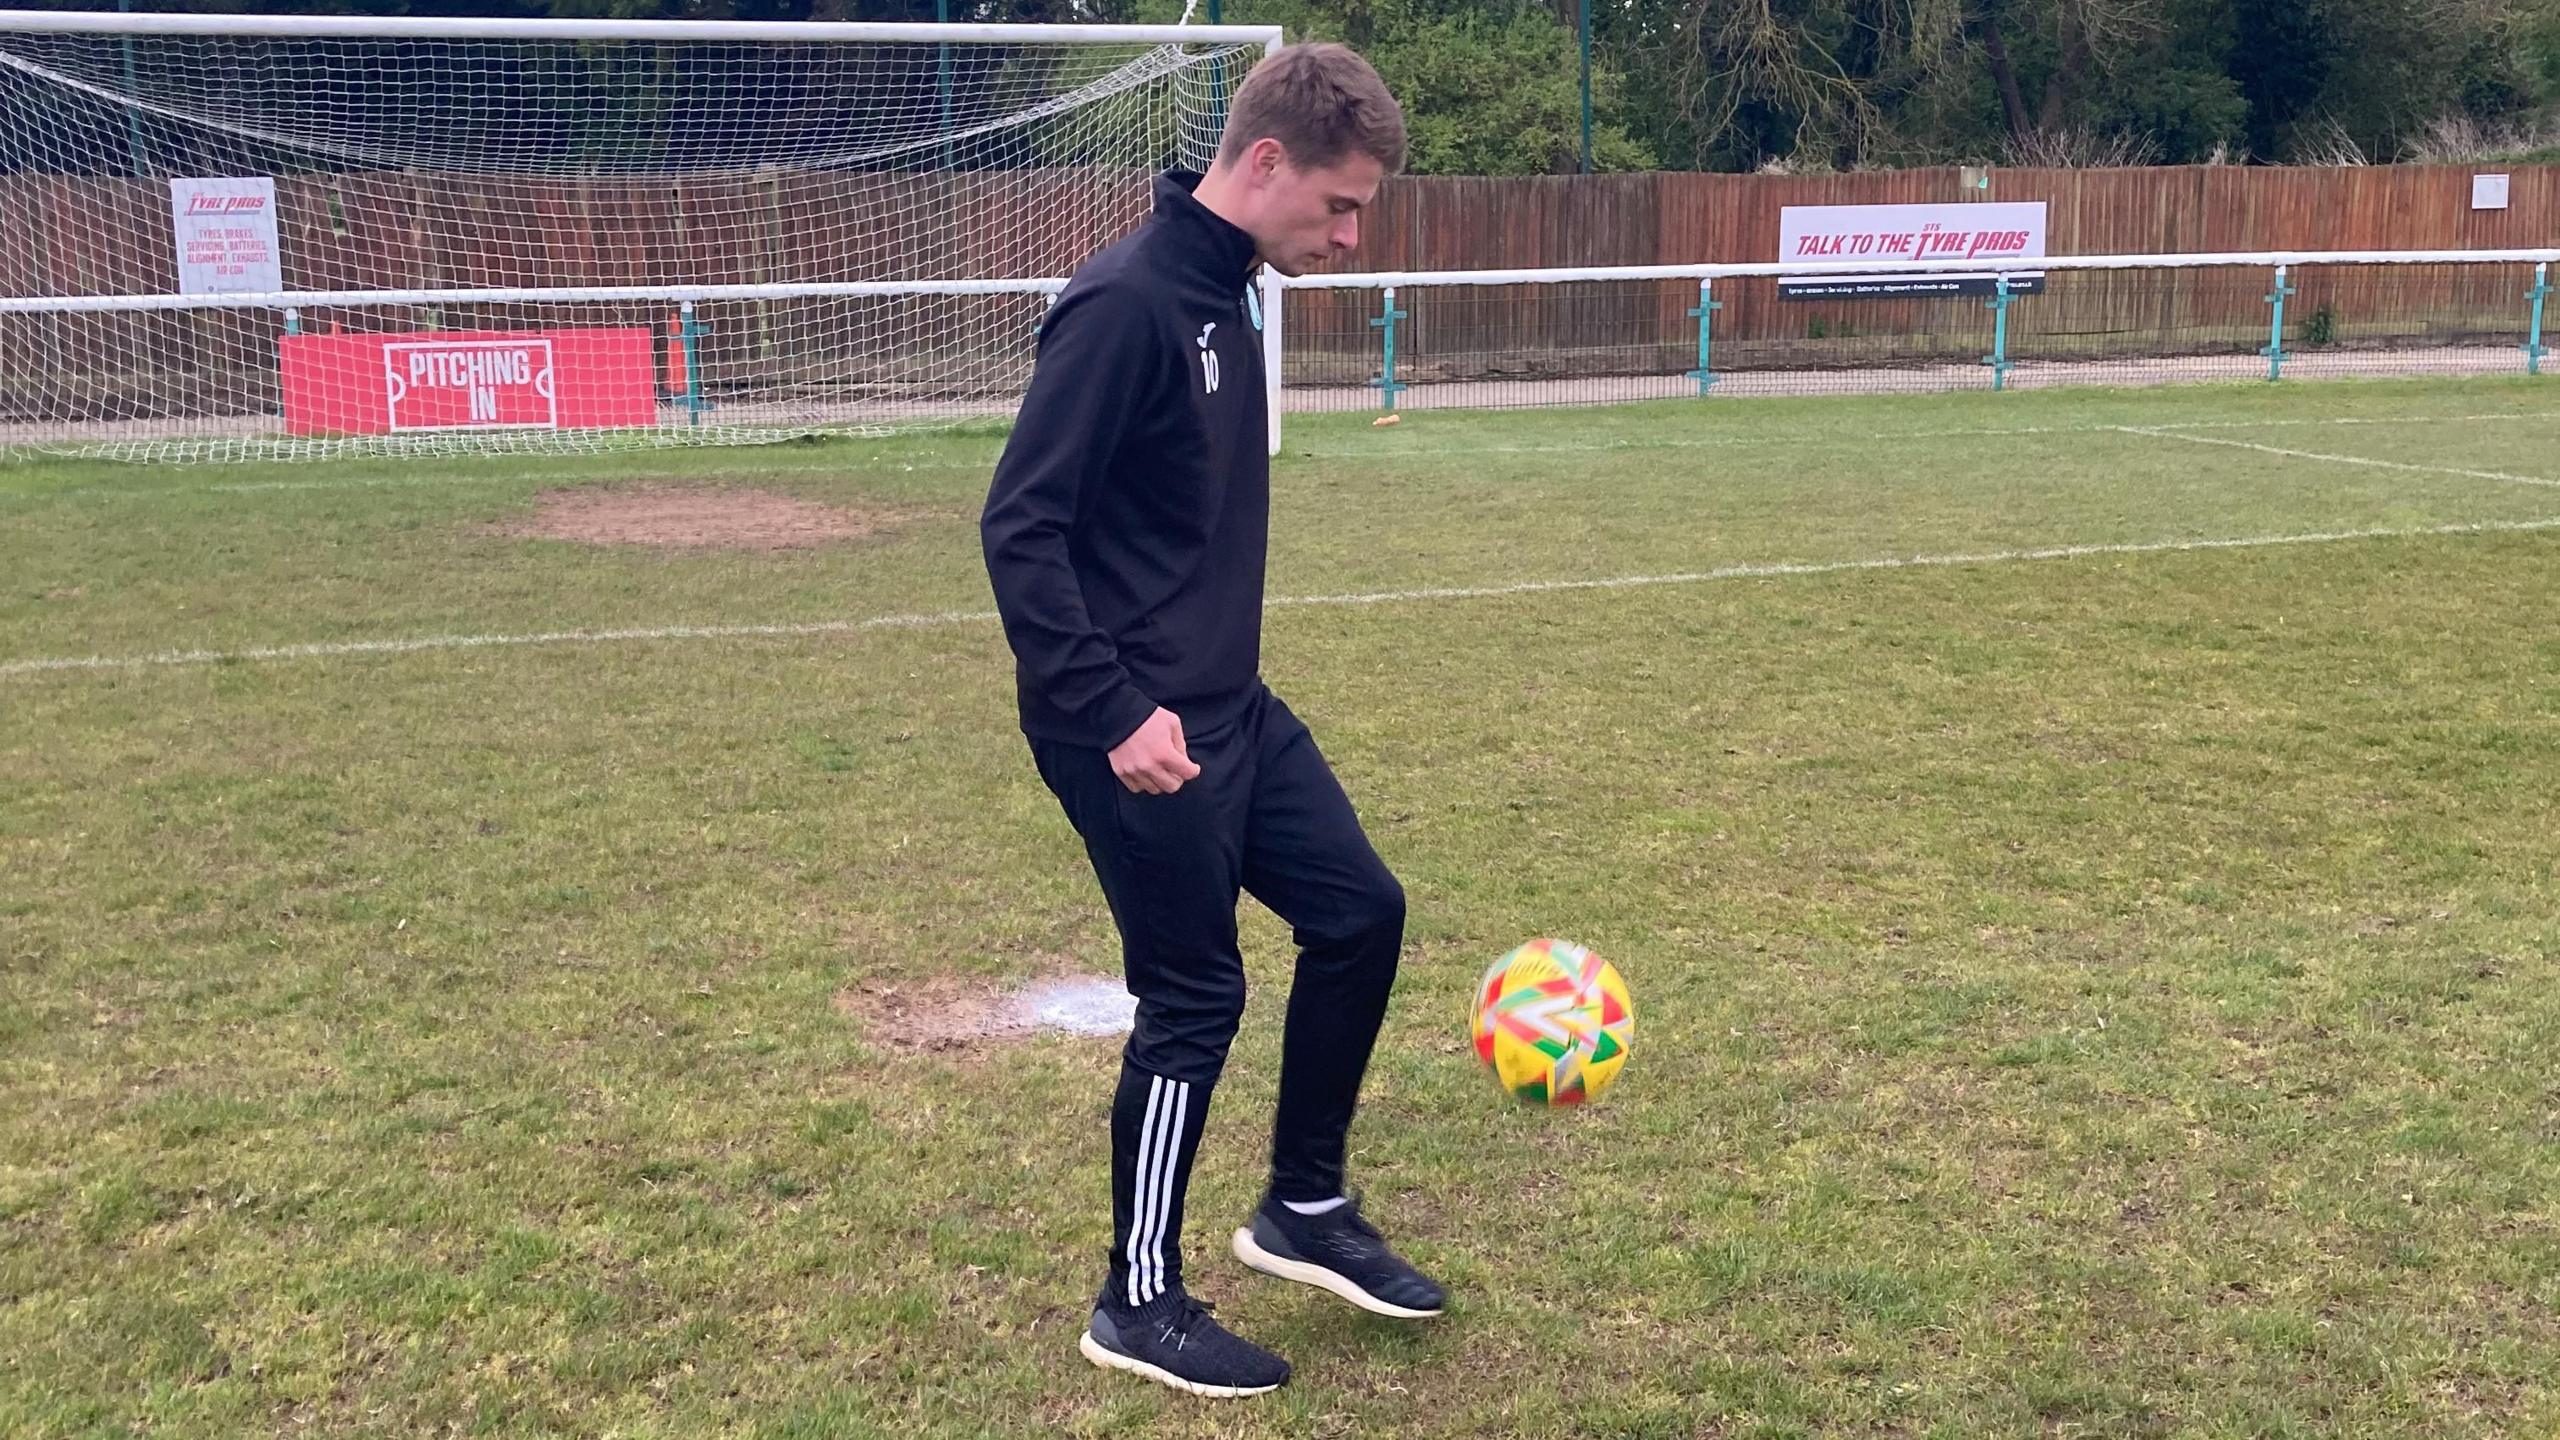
point(1831, 234)
point(226, 235)
point(471, 385)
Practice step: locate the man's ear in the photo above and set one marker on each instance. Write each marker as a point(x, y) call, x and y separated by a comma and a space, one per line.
point(1264, 157)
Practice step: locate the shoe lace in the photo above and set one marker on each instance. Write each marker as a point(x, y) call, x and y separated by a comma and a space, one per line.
point(1188, 1313)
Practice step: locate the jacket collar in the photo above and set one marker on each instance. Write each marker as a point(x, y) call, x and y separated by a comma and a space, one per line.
point(1204, 244)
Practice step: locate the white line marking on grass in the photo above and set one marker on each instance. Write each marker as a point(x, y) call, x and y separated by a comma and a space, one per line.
point(2339, 459)
point(1372, 597)
point(1722, 442)
point(326, 649)
point(1916, 562)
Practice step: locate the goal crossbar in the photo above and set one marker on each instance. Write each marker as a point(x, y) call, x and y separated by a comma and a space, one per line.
point(353, 27)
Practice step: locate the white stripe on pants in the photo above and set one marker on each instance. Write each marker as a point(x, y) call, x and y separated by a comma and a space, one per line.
point(1158, 1163)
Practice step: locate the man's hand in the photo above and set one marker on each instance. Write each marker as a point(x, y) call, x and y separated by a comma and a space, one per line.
point(1153, 761)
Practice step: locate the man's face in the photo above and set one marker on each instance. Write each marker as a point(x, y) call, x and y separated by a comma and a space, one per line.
point(1304, 218)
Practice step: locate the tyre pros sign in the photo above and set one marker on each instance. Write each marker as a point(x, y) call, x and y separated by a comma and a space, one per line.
point(225, 228)
point(531, 380)
point(1838, 234)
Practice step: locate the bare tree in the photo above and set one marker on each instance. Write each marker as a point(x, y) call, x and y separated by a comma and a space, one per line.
point(2090, 37)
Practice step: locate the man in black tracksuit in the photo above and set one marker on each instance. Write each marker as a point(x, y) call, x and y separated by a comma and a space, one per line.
point(1125, 535)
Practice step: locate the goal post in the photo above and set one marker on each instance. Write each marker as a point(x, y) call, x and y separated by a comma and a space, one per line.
point(258, 236)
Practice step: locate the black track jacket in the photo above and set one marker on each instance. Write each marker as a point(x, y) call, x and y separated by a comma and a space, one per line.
point(1126, 528)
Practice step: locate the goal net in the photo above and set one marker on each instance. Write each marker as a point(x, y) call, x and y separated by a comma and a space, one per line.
point(254, 237)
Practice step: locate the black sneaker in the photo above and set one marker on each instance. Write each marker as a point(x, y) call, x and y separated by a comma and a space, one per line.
point(1341, 1252)
point(1172, 1341)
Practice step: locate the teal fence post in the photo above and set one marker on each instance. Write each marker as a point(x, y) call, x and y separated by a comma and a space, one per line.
point(1388, 315)
point(1708, 305)
point(942, 82)
point(132, 110)
point(1998, 359)
point(693, 330)
point(2533, 347)
point(2275, 331)
point(292, 326)
point(1586, 87)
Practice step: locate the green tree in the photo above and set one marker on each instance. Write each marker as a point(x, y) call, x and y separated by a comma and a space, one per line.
point(1487, 89)
point(1490, 85)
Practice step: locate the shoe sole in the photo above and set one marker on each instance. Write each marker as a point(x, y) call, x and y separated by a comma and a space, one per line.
point(1109, 1359)
point(1251, 1253)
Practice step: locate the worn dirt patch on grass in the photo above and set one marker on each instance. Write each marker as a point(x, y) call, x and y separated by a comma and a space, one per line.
point(682, 517)
point(952, 1012)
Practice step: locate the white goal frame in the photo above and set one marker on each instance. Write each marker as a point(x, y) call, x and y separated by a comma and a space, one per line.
point(1269, 38)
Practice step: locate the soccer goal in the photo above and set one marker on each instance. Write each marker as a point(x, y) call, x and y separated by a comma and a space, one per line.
point(237, 236)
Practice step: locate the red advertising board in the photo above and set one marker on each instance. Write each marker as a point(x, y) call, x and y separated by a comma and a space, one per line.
point(530, 380)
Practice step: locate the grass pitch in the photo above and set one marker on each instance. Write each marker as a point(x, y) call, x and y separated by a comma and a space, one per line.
point(2084, 861)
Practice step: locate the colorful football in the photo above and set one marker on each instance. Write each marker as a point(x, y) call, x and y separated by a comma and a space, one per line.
point(1553, 1022)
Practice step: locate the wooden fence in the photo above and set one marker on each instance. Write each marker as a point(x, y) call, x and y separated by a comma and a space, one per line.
point(1668, 218)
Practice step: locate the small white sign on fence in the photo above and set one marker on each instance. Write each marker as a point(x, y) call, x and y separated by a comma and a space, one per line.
point(2488, 192)
point(226, 232)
